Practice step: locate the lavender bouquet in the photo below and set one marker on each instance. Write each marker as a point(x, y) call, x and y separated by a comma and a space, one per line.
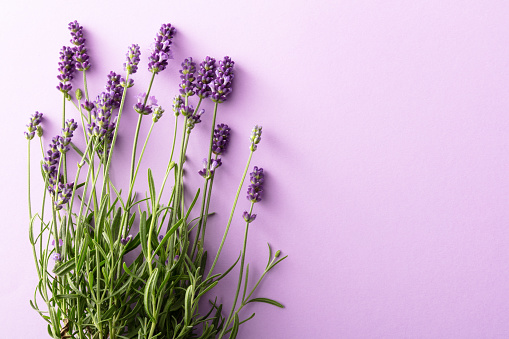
point(84, 230)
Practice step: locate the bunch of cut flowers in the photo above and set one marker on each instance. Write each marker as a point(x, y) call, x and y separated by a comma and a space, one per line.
point(87, 287)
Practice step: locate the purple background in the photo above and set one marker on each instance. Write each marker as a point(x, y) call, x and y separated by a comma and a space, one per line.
point(385, 143)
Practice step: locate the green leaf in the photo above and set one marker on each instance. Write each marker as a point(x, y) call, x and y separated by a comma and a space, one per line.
point(152, 189)
point(149, 294)
point(168, 234)
point(143, 234)
point(64, 268)
point(188, 300)
point(231, 268)
point(115, 224)
point(235, 328)
point(266, 300)
point(66, 296)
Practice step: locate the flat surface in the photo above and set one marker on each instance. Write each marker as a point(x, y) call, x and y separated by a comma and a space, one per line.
point(385, 145)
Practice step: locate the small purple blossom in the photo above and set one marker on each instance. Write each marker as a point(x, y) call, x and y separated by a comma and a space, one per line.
point(221, 87)
point(146, 108)
point(160, 237)
point(132, 59)
point(63, 195)
point(255, 189)
point(88, 105)
point(205, 77)
point(114, 89)
point(220, 139)
point(33, 125)
point(249, 218)
point(161, 52)
point(256, 137)
point(187, 77)
point(60, 242)
point(124, 241)
point(214, 163)
point(56, 257)
point(194, 119)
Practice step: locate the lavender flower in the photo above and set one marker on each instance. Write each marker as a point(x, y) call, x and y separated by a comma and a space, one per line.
point(80, 52)
point(220, 139)
point(249, 218)
point(66, 67)
point(114, 90)
point(194, 119)
point(205, 77)
point(88, 105)
point(60, 242)
point(133, 58)
point(146, 108)
point(161, 52)
point(62, 195)
point(187, 76)
point(255, 189)
point(221, 87)
point(256, 137)
point(33, 126)
point(158, 113)
point(67, 134)
point(56, 257)
point(214, 163)
point(178, 103)
point(124, 241)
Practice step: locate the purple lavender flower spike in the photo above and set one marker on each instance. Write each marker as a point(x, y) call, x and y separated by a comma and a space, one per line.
point(114, 89)
point(32, 127)
point(221, 87)
point(80, 52)
point(220, 139)
point(187, 77)
point(63, 194)
point(206, 75)
point(161, 52)
point(249, 218)
point(255, 189)
point(133, 58)
point(66, 67)
point(194, 119)
point(256, 137)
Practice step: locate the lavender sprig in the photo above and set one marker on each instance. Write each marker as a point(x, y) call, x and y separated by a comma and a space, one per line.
point(256, 137)
point(221, 87)
point(144, 109)
point(161, 52)
point(194, 119)
point(209, 173)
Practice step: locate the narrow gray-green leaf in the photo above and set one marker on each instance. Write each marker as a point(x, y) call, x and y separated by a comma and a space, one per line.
point(266, 300)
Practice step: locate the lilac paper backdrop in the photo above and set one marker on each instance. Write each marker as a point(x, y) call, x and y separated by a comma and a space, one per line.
point(385, 144)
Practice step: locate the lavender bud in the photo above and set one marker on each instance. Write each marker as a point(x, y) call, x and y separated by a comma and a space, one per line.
point(158, 113)
point(60, 242)
point(178, 103)
point(278, 253)
point(33, 125)
point(256, 137)
point(194, 119)
point(249, 218)
point(79, 94)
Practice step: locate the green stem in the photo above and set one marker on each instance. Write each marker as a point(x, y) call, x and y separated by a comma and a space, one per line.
point(239, 283)
point(85, 84)
point(231, 215)
point(29, 199)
